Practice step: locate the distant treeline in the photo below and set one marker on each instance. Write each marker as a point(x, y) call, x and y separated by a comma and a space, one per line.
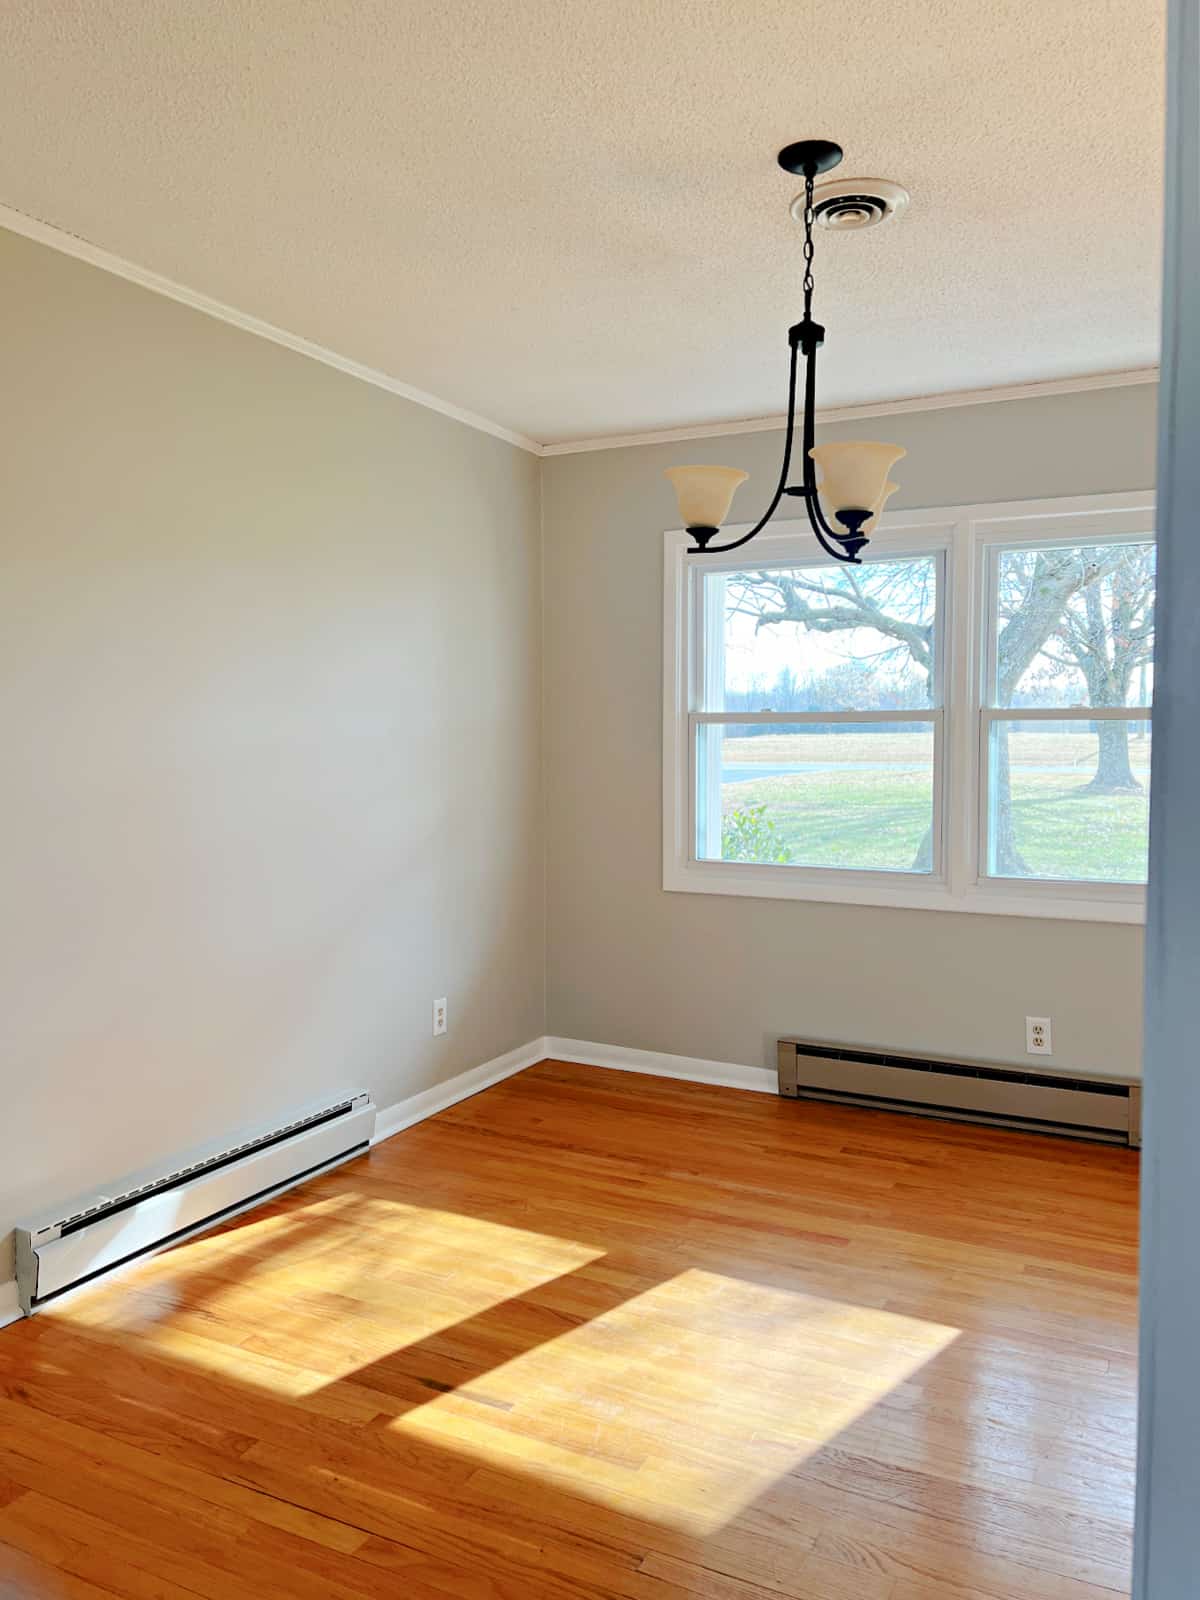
point(855, 686)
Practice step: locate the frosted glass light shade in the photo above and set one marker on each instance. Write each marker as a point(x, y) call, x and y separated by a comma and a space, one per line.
point(870, 524)
point(705, 493)
point(854, 473)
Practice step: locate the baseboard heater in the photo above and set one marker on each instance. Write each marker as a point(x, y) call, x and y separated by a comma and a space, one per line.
point(147, 1211)
point(1108, 1109)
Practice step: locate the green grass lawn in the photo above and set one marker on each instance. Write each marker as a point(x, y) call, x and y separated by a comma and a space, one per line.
point(879, 819)
point(1062, 833)
point(852, 819)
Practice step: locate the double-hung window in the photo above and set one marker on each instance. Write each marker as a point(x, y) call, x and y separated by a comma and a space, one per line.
point(961, 722)
point(1070, 638)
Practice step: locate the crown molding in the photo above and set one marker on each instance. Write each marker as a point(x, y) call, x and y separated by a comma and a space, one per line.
point(83, 250)
point(882, 408)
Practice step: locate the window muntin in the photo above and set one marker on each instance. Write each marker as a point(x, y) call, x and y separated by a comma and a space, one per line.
point(1070, 642)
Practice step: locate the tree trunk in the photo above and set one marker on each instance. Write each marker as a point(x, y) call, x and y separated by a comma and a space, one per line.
point(1006, 860)
point(1114, 775)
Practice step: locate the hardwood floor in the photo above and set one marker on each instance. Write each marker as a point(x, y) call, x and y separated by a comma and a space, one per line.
point(592, 1334)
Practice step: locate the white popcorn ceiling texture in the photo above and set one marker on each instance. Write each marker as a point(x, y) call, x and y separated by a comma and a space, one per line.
point(566, 214)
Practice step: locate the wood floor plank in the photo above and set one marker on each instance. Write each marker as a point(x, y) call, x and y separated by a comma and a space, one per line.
point(23, 1576)
point(920, 1559)
point(596, 1336)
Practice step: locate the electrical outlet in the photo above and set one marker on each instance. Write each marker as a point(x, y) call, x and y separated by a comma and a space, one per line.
point(439, 1016)
point(1037, 1036)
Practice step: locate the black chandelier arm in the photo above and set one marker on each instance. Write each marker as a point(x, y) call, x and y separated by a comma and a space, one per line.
point(781, 488)
point(805, 335)
point(827, 537)
point(824, 533)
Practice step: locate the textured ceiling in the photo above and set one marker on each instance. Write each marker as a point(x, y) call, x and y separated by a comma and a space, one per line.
point(566, 214)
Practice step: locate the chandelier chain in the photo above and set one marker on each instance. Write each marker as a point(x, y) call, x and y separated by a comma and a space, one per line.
point(808, 243)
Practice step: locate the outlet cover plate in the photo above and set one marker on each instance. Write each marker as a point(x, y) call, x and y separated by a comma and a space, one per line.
point(1039, 1040)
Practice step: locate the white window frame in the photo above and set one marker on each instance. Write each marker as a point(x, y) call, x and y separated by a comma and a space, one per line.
point(966, 538)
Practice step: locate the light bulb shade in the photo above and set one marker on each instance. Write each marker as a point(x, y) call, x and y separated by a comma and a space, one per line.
point(872, 521)
point(854, 473)
point(705, 493)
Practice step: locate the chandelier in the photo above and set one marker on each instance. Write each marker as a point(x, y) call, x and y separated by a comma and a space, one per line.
point(854, 473)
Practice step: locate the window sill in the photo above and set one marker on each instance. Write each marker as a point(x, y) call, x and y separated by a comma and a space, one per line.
point(911, 892)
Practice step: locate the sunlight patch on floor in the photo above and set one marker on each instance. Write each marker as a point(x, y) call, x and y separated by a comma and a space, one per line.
point(354, 1279)
point(684, 1403)
point(680, 1403)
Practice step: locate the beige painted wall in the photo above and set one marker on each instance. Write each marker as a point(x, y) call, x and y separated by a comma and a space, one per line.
point(720, 977)
point(270, 697)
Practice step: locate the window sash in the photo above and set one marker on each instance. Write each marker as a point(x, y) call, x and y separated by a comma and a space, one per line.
point(993, 552)
point(700, 804)
point(1117, 889)
point(989, 713)
point(707, 642)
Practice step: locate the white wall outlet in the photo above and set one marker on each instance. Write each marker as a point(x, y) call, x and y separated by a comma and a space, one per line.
point(439, 1016)
point(1038, 1040)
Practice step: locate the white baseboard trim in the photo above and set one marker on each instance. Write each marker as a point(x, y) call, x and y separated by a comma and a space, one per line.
point(620, 1058)
point(401, 1115)
point(394, 1119)
point(10, 1310)
point(692, 1069)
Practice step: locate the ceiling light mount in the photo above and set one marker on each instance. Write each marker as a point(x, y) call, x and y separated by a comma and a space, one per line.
point(810, 156)
point(847, 205)
point(854, 473)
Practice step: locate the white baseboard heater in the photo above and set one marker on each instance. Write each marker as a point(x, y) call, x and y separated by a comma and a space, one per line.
point(965, 1091)
point(147, 1211)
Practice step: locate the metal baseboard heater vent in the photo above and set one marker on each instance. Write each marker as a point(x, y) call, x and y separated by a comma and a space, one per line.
point(1108, 1109)
point(149, 1210)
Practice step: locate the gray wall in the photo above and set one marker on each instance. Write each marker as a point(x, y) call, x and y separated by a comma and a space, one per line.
point(270, 698)
point(720, 977)
point(1167, 1541)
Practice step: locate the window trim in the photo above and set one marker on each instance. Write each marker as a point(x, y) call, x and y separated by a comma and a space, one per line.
point(966, 535)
